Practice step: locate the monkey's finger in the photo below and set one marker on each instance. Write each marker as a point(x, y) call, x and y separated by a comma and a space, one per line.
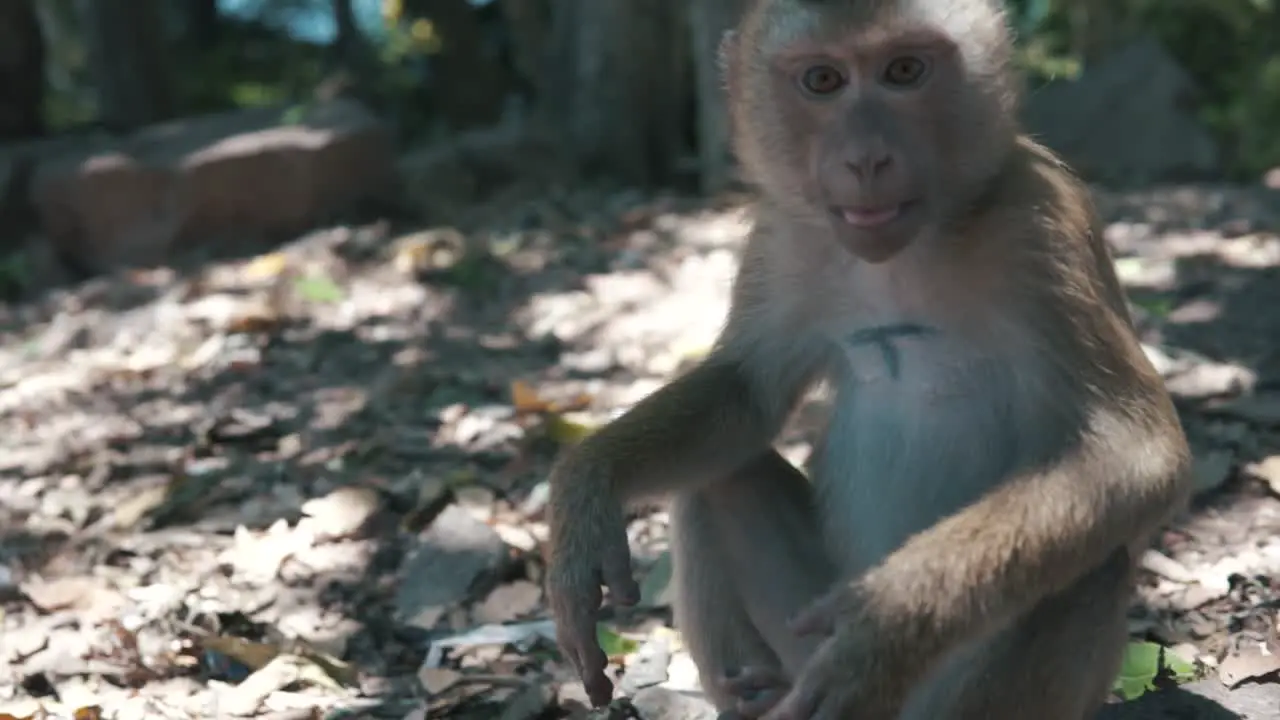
point(817, 619)
point(760, 702)
point(804, 698)
point(588, 659)
point(755, 689)
point(784, 710)
point(583, 647)
point(575, 611)
point(754, 679)
point(795, 706)
point(599, 688)
point(836, 707)
point(616, 569)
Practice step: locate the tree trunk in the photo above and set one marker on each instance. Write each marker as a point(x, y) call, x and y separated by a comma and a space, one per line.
point(529, 22)
point(22, 66)
point(709, 20)
point(127, 54)
point(620, 86)
point(1095, 28)
point(203, 23)
point(346, 39)
point(470, 83)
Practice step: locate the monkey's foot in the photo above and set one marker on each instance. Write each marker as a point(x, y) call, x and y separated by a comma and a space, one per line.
point(757, 690)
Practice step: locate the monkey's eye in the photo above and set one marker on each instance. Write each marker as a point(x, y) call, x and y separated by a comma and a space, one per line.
point(822, 80)
point(905, 71)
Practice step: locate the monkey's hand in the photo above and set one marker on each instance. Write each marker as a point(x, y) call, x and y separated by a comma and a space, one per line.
point(588, 547)
point(757, 690)
point(859, 670)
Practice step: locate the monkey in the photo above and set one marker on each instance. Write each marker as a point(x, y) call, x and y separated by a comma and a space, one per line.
point(962, 543)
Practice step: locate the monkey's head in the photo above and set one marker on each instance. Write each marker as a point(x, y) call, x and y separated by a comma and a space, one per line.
point(884, 118)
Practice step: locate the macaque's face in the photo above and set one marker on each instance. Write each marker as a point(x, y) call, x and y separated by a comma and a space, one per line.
point(875, 122)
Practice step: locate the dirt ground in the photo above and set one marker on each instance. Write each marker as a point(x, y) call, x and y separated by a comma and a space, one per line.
point(310, 484)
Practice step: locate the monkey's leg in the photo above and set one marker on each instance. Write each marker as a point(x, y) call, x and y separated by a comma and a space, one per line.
point(747, 554)
point(1056, 663)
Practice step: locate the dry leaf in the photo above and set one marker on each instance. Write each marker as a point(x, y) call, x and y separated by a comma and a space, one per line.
point(131, 510)
point(265, 267)
point(1166, 567)
point(437, 680)
point(566, 432)
point(517, 536)
point(1249, 663)
point(412, 255)
point(247, 698)
point(509, 602)
point(260, 556)
point(525, 399)
point(342, 672)
point(259, 320)
point(1268, 470)
point(250, 654)
point(85, 594)
point(477, 500)
point(340, 513)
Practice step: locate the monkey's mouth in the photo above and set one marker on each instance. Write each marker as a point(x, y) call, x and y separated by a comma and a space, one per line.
point(870, 217)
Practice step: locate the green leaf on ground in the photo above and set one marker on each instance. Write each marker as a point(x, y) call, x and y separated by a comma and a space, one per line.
point(1143, 663)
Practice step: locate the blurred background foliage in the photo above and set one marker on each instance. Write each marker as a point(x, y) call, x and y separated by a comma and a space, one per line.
point(396, 55)
point(1230, 47)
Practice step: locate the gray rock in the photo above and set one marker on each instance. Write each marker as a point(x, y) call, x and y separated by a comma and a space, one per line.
point(178, 185)
point(658, 703)
point(443, 570)
point(648, 667)
point(1126, 119)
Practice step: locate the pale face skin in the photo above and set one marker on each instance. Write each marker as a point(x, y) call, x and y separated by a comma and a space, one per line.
point(866, 119)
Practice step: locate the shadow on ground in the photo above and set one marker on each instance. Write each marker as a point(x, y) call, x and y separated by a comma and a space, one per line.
point(172, 435)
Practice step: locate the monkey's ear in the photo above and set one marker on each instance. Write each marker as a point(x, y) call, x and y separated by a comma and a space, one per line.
point(724, 58)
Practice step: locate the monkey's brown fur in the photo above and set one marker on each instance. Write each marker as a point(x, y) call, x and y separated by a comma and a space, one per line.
point(999, 448)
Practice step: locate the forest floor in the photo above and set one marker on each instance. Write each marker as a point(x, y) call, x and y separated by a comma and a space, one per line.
point(311, 484)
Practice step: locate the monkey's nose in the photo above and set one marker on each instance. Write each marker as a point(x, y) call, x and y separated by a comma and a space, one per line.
point(870, 164)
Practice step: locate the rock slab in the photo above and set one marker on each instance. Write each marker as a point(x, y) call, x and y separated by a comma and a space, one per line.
point(213, 180)
point(1126, 119)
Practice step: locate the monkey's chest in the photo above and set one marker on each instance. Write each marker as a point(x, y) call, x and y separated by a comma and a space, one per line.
point(937, 398)
point(909, 365)
point(921, 426)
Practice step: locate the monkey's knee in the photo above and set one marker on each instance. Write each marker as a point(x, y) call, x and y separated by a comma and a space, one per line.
point(766, 520)
point(747, 553)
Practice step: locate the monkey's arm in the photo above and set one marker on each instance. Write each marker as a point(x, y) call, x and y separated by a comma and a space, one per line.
point(1030, 537)
point(701, 426)
point(717, 416)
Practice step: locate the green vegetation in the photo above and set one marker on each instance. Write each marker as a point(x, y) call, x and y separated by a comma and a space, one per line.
point(1229, 47)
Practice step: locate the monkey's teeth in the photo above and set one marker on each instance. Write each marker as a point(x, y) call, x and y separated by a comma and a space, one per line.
point(869, 218)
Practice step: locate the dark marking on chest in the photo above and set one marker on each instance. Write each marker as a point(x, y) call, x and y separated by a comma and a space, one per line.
point(885, 337)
